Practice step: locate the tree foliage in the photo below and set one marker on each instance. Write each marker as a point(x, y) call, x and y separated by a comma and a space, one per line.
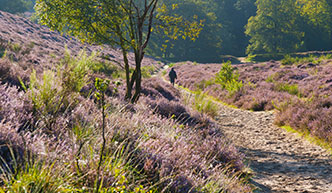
point(223, 31)
point(274, 29)
point(124, 23)
point(317, 25)
point(290, 25)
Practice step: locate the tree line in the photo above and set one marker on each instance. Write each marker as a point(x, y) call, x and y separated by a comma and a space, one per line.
point(242, 27)
point(237, 27)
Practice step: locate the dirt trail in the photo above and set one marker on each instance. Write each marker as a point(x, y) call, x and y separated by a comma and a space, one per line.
point(281, 161)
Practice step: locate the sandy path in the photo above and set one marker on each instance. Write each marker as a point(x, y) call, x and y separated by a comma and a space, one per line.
point(281, 161)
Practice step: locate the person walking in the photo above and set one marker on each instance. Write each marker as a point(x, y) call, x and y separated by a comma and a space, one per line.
point(172, 76)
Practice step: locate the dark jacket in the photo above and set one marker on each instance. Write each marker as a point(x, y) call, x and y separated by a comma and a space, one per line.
point(172, 75)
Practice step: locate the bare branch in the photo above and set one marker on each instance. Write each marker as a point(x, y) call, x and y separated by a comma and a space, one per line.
point(150, 24)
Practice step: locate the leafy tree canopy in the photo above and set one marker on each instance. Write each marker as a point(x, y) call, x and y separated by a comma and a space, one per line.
point(283, 26)
point(223, 31)
point(274, 28)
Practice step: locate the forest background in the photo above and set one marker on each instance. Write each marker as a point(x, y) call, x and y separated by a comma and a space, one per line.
point(268, 28)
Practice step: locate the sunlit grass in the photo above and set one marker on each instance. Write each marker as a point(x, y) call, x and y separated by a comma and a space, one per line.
point(312, 139)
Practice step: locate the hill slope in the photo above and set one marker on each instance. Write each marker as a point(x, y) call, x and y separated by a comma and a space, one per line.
point(32, 46)
point(62, 133)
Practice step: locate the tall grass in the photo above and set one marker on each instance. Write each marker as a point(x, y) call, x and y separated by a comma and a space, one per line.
point(204, 105)
point(39, 177)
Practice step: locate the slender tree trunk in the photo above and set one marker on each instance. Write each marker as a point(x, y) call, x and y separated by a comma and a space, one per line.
point(137, 86)
point(133, 79)
point(127, 69)
point(138, 59)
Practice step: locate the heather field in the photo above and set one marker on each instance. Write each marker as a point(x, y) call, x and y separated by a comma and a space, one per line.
point(67, 123)
point(297, 88)
point(61, 130)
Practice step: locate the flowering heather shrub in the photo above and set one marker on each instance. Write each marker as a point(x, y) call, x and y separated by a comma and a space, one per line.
point(181, 151)
point(313, 116)
point(12, 74)
point(168, 108)
point(143, 152)
point(15, 108)
point(11, 146)
point(156, 88)
point(164, 99)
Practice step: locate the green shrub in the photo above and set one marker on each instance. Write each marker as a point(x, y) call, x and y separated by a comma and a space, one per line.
point(228, 79)
point(273, 77)
point(251, 58)
point(56, 91)
point(3, 47)
point(16, 47)
point(74, 71)
point(147, 71)
point(327, 56)
point(44, 93)
point(288, 60)
point(233, 86)
point(285, 87)
point(311, 58)
point(171, 65)
point(109, 69)
point(3, 53)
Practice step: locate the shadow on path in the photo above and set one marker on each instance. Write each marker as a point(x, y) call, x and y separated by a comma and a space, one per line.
point(269, 163)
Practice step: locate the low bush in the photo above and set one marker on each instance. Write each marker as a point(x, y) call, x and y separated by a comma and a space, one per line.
point(56, 92)
point(313, 116)
point(228, 79)
point(15, 47)
point(288, 60)
point(11, 74)
point(3, 47)
point(292, 89)
point(147, 71)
